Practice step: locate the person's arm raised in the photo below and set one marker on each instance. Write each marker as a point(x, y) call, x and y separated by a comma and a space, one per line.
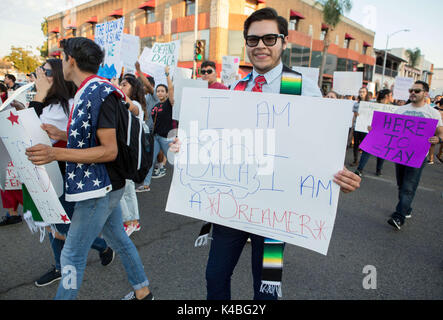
point(144, 79)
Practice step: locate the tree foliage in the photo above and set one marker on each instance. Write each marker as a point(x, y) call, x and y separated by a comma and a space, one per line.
point(23, 60)
point(414, 56)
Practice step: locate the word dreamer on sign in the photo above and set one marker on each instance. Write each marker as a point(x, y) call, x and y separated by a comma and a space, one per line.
point(224, 309)
point(399, 138)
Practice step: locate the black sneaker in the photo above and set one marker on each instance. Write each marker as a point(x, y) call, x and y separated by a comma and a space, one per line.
point(358, 172)
point(131, 296)
point(49, 277)
point(107, 256)
point(7, 220)
point(396, 223)
point(378, 173)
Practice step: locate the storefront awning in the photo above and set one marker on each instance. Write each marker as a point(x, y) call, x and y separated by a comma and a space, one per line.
point(116, 13)
point(92, 20)
point(349, 36)
point(365, 44)
point(147, 5)
point(296, 15)
point(55, 30)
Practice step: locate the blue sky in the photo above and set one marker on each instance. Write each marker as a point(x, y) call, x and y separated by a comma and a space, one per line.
point(20, 23)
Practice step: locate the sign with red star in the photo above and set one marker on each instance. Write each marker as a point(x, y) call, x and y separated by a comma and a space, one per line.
point(64, 218)
point(13, 118)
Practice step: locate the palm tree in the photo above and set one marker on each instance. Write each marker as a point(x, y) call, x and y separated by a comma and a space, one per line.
point(414, 56)
point(332, 12)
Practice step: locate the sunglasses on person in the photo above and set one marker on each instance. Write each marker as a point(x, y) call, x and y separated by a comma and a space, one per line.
point(416, 91)
point(208, 71)
point(269, 40)
point(48, 72)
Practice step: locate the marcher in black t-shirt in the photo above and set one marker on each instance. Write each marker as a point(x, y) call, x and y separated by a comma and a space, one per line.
point(162, 117)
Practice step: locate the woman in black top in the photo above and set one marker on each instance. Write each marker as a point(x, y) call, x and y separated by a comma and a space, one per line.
point(162, 118)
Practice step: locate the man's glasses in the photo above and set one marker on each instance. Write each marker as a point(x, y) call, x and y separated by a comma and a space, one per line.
point(269, 40)
point(416, 91)
point(209, 71)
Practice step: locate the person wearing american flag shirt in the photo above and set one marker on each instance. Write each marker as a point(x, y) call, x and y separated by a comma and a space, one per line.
point(92, 180)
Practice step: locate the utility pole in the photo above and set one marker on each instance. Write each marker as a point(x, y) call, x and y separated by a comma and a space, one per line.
point(194, 69)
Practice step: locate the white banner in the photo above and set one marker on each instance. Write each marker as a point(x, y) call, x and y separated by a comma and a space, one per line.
point(366, 112)
point(108, 36)
point(130, 50)
point(348, 83)
point(179, 85)
point(18, 132)
point(401, 88)
point(311, 73)
point(256, 162)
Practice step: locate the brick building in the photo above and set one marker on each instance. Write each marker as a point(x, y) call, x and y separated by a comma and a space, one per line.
point(220, 24)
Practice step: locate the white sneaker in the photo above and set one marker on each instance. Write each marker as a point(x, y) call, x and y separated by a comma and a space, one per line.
point(142, 189)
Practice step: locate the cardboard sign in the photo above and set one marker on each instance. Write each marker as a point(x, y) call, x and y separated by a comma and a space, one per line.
point(366, 112)
point(230, 65)
point(311, 73)
point(401, 88)
point(21, 97)
point(130, 50)
point(16, 136)
point(108, 36)
point(11, 181)
point(246, 163)
point(348, 83)
point(399, 138)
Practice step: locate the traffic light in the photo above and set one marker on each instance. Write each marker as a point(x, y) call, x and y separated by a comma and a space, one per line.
point(199, 50)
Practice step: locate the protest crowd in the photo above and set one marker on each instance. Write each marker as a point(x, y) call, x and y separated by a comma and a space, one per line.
point(111, 134)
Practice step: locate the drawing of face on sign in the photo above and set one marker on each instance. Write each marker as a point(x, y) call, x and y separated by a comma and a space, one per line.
point(218, 166)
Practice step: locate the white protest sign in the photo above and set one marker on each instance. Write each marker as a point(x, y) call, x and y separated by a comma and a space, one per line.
point(108, 36)
point(183, 73)
point(153, 61)
point(20, 96)
point(179, 85)
point(366, 112)
point(348, 83)
point(230, 65)
point(130, 50)
point(311, 73)
point(401, 88)
point(16, 136)
point(154, 70)
point(245, 163)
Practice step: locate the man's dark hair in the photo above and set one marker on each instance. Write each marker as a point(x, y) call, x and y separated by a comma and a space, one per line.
point(424, 84)
point(206, 64)
point(86, 53)
point(11, 77)
point(266, 14)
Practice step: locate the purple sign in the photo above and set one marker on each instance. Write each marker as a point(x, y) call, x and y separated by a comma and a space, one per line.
point(399, 138)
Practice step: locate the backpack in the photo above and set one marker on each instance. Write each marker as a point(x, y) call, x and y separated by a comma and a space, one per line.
point(135, 146)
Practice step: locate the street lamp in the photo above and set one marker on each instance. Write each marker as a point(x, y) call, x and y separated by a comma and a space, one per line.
point(386, 55)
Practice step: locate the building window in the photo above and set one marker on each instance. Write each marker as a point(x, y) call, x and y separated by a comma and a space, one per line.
point(293, 24)
point(149, 16)
point(250, 7)
point(323, 34)
point(132, 23)
point(365, 49)
point(190, 7)
point(346, 43)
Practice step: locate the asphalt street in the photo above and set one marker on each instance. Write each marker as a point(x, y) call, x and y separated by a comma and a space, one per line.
point(408, 263)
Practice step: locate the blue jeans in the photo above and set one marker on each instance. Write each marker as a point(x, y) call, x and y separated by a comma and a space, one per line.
point(90, 218)
point(364, 160)
point(99, 244)
point(159, 143)
point(408, 179)
point(226, 248)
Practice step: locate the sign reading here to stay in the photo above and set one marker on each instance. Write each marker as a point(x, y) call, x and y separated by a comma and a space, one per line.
point(399, 138)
